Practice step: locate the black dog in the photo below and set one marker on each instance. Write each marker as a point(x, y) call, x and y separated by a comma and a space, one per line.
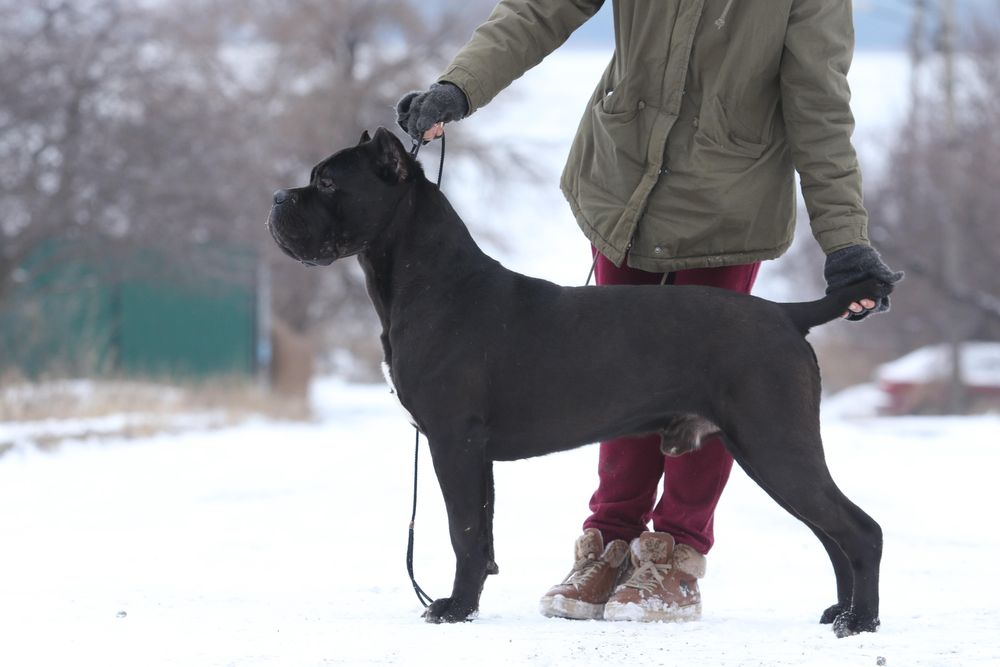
point(496, 366)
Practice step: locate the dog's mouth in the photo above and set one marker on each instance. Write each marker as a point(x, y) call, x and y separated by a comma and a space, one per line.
point(293, 239)
point(318, 261)
point(303, 258)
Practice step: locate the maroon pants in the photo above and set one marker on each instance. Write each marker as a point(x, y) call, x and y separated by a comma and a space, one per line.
point(629, 469)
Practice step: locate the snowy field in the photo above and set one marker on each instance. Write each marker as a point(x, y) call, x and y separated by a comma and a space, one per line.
point(283, 544)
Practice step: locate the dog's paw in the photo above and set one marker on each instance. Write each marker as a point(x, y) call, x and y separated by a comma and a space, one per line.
point(447, 610)
point(831, 613)
point(848, 623)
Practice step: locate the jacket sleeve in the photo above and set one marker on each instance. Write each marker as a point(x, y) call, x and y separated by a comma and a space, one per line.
point(815, 98)
point(515, 38)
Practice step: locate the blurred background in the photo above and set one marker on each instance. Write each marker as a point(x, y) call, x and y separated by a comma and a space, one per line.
point(140, 143)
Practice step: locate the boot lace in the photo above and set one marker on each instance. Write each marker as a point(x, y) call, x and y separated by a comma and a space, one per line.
point(648, 576)
point(584, 570)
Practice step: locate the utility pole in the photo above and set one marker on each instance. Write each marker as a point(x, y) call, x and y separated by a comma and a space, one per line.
point(948, 54)
point(950, 223)
point(917, 41)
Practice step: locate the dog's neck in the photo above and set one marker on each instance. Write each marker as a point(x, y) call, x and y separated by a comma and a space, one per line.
point(395, 265)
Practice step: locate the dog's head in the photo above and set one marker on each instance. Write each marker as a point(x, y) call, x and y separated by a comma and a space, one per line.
point(349, 201)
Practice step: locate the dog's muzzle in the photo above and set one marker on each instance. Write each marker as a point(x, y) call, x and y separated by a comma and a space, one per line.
point(291, 235)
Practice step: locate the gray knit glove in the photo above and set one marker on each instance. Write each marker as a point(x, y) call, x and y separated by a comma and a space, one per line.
point(417, 112)
point(852, 265)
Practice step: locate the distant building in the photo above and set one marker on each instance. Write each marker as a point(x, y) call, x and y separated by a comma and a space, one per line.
point(919, 381)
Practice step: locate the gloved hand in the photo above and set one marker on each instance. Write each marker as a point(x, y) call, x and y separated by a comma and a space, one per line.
point(852, 265)
point(442, 103)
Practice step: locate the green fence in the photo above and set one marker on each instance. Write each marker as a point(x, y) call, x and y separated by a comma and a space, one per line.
point(153, 319)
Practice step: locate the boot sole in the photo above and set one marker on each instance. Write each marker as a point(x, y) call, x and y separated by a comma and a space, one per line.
point(560, 606)
point(631, 611)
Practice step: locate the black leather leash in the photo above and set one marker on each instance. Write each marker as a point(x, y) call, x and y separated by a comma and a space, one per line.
point(416, 149)
point(424, 598)
point(590, 276)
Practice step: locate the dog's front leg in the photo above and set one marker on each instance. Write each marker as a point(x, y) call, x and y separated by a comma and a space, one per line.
point(466, 476)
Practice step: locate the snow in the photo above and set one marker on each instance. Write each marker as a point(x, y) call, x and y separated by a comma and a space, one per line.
point(862, 400)
point(980, 364)
point(274, 543)
point(31, 433)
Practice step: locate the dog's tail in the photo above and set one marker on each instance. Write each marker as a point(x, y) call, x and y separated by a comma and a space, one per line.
point(808, 314)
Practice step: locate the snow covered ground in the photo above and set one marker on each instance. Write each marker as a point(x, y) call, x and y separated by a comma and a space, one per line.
point(283, 544)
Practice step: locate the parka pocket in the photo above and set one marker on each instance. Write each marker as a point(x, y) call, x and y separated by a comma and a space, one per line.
point(621, 140)
point(710, 155)
point(727, 136)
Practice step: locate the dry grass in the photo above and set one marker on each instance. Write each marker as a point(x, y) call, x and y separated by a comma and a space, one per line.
point(45, 414)
point(77, 399)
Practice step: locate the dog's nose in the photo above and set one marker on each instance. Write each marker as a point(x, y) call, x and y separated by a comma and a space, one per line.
point(281, 196)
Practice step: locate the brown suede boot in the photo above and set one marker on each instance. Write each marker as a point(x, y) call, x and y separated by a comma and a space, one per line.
point(664, 584)
point(595, 574)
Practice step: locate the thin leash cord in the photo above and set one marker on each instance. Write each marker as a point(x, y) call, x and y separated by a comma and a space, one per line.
point(422, 596)
point(416, 149)
point(593, 266)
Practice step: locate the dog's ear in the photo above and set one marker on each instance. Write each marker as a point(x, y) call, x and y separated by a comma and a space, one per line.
point(364, 138)
point(391, 159)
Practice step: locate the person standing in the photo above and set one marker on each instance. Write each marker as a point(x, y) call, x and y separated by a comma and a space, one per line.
point(681, 172)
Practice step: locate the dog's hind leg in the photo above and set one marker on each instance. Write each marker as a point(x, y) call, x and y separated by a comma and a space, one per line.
point(841, 566)
point(465, 475)
point(845, 577)
point(790, 467)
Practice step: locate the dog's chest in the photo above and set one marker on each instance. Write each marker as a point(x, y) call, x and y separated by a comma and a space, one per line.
point(387, 373)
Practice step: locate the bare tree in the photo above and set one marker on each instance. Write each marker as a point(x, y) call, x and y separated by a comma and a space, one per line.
point(934, 213)
point(337, 68)
point(945, 182)
point(127, 125)
point(113, 133)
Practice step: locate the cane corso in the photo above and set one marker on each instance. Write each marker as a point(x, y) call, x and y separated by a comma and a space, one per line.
point(493, 365)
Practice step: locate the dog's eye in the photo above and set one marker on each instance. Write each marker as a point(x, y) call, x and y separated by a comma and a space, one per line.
point(326, 183)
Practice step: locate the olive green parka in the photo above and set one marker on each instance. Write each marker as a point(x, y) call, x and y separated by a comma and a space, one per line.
point(685, 154)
